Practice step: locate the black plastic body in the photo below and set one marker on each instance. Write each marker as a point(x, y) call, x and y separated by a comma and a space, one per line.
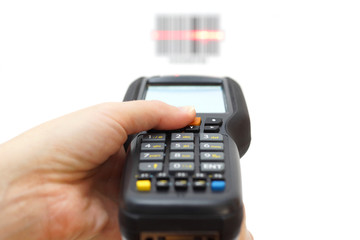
point(189, 211)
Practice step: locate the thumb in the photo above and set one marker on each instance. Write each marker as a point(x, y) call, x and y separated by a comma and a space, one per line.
point(85, 139)
point(136, 116)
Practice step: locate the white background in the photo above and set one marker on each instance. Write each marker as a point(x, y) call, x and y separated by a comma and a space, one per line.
point(297, 62)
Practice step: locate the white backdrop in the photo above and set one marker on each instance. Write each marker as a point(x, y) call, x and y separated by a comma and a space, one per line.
point(297, 62)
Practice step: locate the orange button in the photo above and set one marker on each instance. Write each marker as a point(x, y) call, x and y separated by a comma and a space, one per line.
point(196, 122)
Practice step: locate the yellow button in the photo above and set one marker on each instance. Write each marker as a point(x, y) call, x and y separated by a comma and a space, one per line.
point(143, 185)
point(196, 122)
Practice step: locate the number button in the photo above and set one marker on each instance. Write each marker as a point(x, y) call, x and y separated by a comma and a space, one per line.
point(152, 147)
point(182, 146)
point(181, 167)
point(152, 156)
point(211, 146)
point(182, 156)
point(182, 137)
point(154, 137)
point(213, 137)
point(217, 156)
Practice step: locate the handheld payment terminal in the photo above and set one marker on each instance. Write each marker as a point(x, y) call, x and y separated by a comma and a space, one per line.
point(185, 184)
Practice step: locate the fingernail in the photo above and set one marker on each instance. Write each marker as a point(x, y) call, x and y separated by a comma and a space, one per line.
point(187, 109)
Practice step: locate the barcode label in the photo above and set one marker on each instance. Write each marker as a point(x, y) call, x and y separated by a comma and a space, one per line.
point(187, 38)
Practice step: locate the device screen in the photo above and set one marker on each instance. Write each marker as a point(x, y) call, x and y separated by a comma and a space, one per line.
point(205, 99)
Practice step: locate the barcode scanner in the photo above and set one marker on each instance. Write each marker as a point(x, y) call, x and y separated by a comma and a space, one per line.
point(186, 183)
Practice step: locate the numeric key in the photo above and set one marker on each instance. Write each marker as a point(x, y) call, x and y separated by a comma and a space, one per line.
point(216, 156)
point(182, 137)
point(206, 146)
point(152, 146)
point(211, 137)
point(182, 146)
point(182, 156)
point(154, 137)
point(152, 156)
point(181, 167)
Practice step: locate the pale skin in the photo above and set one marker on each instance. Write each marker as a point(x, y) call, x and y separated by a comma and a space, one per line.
point(60, 180)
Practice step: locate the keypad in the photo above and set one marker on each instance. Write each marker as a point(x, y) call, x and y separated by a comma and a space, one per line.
point(183, 159)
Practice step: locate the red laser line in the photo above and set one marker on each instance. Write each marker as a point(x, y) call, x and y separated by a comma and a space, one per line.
point(194, 35)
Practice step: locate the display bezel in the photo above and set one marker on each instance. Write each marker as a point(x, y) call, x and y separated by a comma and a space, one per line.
point(224, 105)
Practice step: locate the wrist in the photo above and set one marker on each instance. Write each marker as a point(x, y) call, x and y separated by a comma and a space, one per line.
point(21, 206)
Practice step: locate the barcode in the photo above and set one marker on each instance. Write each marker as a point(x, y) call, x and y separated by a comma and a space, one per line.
point(187, 38)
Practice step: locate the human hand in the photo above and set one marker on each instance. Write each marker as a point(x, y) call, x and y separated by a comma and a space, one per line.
point(60, 180)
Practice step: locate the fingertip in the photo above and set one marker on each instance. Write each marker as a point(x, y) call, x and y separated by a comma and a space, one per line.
point(190, 110)
point(172, 117)
point(140, 115)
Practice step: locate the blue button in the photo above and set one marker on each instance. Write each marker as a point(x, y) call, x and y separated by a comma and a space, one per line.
point(218, 186)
